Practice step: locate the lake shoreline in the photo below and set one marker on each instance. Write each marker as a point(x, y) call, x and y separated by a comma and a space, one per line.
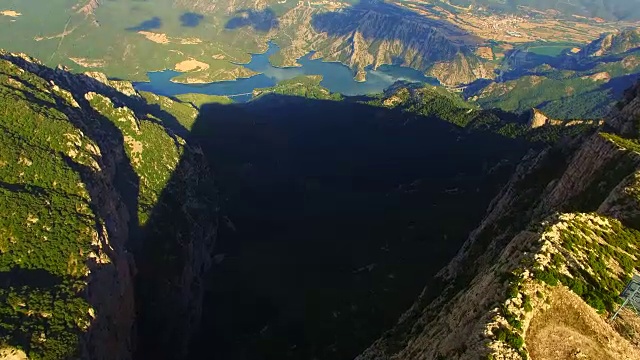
point(336, 77)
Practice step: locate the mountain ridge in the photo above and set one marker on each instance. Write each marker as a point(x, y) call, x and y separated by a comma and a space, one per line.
point(584, 175)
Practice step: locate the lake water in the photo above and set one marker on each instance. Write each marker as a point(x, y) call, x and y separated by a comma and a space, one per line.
point(336, 77)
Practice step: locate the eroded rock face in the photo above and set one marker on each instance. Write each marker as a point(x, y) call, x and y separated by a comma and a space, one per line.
point(375, 34)
point(538, 119)
point(586, 166)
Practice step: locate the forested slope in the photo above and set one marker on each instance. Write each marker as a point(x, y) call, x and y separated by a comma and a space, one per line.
point(87, 167)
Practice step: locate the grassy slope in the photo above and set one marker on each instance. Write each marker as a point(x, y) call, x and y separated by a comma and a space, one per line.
point(303, 86)
point(198, 100)
point(438, 102)
point(594, 256)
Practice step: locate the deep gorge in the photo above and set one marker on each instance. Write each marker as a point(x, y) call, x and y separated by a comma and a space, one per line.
point(331, 209)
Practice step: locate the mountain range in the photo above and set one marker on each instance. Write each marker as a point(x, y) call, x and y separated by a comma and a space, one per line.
point(121, 243)
point(495, 215)
point(483, 46)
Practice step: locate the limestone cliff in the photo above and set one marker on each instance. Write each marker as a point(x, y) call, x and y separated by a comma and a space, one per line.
point(96, 170)
point(461, 69)
point(538, 119)
point(536, 235)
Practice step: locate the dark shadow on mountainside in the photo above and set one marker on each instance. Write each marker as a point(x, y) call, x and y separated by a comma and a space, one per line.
point(152, 24)
point(334, 215)
point(190, 19)
point(262, 21)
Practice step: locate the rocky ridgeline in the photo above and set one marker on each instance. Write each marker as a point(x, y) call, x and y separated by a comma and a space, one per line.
point(576, 199)
point(539, 119)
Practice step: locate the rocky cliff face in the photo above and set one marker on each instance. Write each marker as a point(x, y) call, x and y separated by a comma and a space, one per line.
point(81, 141)
point(473, 307)
point(624, 118)
point(538, 119)
point(461, 69)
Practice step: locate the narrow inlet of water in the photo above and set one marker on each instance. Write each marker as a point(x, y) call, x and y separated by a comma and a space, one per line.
point(336, 77)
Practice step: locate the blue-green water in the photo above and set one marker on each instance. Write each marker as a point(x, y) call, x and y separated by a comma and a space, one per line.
point(336, 77)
